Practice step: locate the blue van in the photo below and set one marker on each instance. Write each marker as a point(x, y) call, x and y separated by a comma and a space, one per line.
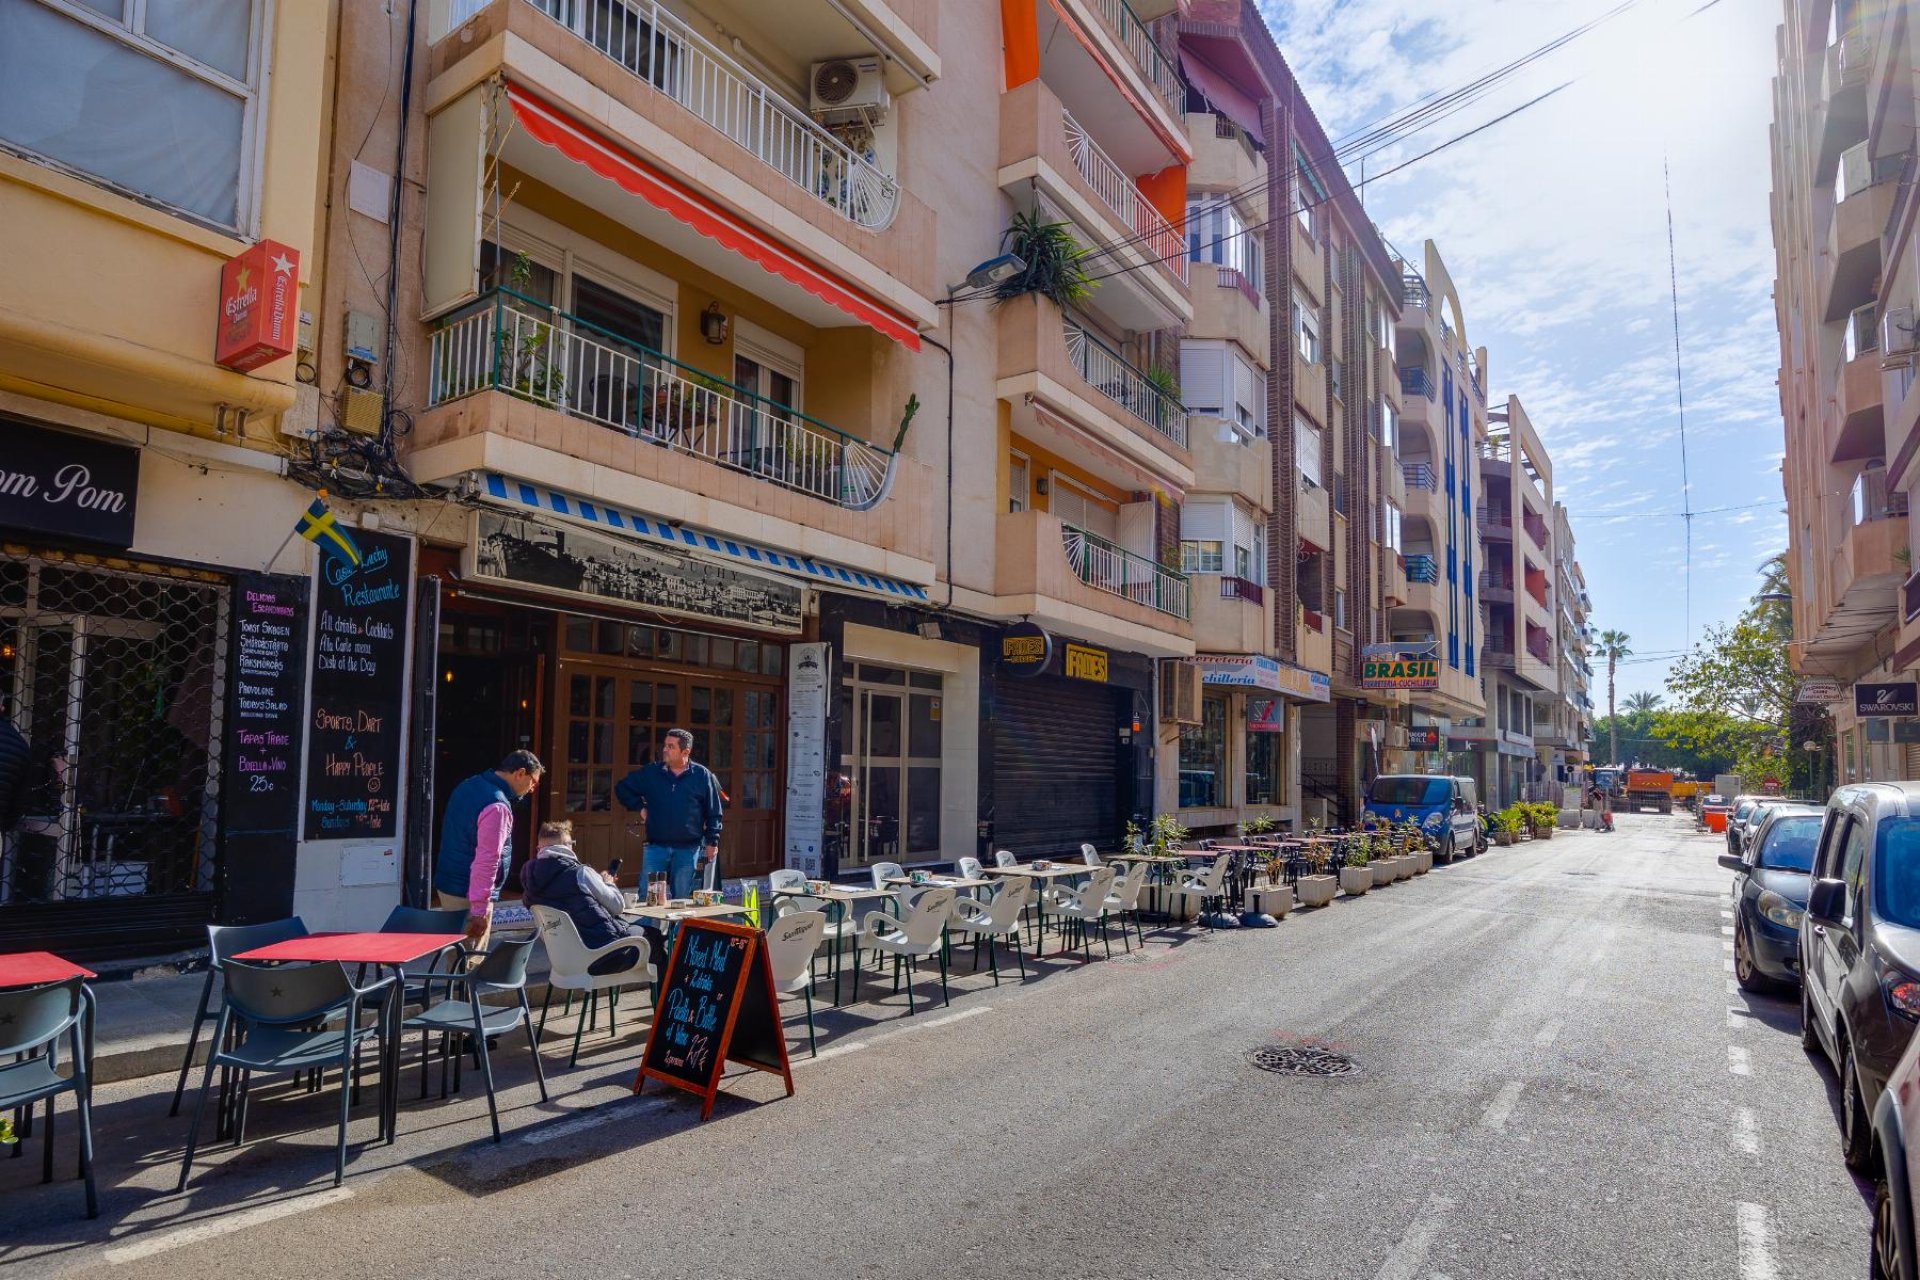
point(1447, 809)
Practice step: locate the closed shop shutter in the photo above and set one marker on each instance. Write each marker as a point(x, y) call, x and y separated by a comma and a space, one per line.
point(1911, 759)
point(1056, 780)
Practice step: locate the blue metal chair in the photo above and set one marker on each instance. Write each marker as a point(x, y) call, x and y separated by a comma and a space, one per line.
point(32, 1020)
point(279, 1018)
point(503, 968)
point(223, 941)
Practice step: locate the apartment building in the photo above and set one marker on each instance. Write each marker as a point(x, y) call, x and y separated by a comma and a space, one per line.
point(1441, 435)
point(1563, 734)
point(1846, 293)
point(159, 187)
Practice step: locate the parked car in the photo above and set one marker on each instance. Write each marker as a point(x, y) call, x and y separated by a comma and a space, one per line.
point(1860, 946)
point(1770, 884)
point(1896, 1145)
point(1447, 809)
point(1742, 806)
point(1749, 826)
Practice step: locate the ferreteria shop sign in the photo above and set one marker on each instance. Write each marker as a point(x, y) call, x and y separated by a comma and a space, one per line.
point(67, 486)
point(1886, 698)
point(1392, 671)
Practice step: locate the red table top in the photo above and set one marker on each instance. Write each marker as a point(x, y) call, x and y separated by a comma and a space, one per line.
point(31, 968)
point(355, 948)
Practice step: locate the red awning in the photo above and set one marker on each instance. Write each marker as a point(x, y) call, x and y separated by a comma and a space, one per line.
point(634, 176)
point(1217, 89)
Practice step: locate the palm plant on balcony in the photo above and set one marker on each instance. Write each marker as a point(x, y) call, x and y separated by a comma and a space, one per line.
point(1055, 262)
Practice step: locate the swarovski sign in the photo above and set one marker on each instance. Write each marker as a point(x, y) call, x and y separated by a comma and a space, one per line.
point(67, 486)
point(1885, 698)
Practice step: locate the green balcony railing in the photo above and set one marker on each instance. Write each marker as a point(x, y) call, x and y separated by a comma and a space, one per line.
point(1103, 566)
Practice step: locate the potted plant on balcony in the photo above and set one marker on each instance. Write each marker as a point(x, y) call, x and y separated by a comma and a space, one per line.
point(1055, 263)
point(1506, 825)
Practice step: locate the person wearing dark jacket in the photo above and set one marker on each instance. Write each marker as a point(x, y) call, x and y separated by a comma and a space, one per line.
point(681, 804)
point(556, 878)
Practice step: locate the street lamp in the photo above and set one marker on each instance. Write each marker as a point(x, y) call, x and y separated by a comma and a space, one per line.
point(1812, 748)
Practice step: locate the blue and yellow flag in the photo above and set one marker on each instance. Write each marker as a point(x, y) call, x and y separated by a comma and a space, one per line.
point(317, 526)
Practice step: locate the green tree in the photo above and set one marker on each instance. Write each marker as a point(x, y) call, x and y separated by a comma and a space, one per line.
point(1735, 693)
point(1614, 645)
point(1642, 701)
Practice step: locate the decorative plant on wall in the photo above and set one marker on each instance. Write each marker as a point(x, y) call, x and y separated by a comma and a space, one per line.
point(1055, 262)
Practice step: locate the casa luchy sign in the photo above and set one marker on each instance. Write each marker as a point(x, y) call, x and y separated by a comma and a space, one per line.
point(68, 486)
point(1390, 672)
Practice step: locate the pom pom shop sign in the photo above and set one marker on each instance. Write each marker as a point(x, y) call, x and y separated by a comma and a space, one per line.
point(67, 486)
point(259, 292)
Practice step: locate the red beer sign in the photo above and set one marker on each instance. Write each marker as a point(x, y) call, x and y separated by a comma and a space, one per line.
point(259, 303)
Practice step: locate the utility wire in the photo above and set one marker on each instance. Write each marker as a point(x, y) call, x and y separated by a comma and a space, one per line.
point(1680, 395)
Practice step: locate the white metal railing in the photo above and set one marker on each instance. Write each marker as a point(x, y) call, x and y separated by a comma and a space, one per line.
point(1119, 381)
point(1118, 192)
point(505, 342)
point(1147, 53)
point(1101, 565)
point(653, 44)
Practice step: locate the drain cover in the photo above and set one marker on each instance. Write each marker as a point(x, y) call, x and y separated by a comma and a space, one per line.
point(1292, 1060)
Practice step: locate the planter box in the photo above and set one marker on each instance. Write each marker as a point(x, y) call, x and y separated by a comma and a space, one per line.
point(1504, 837)
point(1403, 867)
point(1382, 869)
point(1423, 862)
point(1570, 819)
point(1316, 891)
point(1355, 880)
point(1274, 899)
point(1543, 833)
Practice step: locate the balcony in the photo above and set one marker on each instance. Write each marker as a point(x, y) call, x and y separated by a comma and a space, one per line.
point(511, 344)
point(1062, 576)
point(1124, 384)
point(1414, 295)
point(1420, 475)
point(1866, 194)
point(1498, 653)
point(1151, 60)
point(1422, 568)
point(1849, 63)
point(1227, 460)
point(1393, 579)
point(1046, 154)
point(1495, 526)
point(1496, 587)
point(1098, 60)
point(1225, 160)
point(1228, 305)
point(1536, 529)
point(1417, 382)
point(1233, 619)
point(1862, 432)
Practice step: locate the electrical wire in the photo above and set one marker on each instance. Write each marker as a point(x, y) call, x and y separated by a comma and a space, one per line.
point(1680, 396)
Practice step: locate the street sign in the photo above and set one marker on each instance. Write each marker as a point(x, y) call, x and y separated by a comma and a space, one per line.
point(1813, 690)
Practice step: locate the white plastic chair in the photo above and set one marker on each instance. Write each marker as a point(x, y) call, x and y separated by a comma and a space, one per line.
point(969, 868)
point(787, 879)
point(568, 959)
point(885, 871)
point(1085, 905)
point(792, 943)
point(1123, 899)
point(1203, 887)
point(1090, 855)
point(919, 934)
point(1005, 858)
point(992, 920)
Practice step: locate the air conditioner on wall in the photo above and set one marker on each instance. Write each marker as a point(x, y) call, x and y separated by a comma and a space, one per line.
point(848, 89)
point(1897, 337)
point(1179, 692)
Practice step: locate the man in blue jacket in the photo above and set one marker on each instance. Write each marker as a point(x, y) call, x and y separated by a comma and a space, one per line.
point(476, 840)
point(681, 805)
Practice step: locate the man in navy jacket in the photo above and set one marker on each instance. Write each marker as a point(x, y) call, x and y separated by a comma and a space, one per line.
point(681, 804)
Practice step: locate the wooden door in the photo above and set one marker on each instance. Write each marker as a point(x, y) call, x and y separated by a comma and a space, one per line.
point(588, 720)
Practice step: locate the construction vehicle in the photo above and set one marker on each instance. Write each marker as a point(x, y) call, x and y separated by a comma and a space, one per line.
point(1650, 787)
point(1687, 791)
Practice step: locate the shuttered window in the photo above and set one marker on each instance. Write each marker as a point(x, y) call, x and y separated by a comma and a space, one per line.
point(1202, 377)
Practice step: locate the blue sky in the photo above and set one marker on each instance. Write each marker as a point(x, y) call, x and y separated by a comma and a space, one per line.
point(1553, 225)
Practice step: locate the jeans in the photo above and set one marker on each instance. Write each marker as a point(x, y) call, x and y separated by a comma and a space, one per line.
point(677, 860)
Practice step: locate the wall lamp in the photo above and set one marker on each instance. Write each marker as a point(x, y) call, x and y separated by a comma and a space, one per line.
point(715, 324)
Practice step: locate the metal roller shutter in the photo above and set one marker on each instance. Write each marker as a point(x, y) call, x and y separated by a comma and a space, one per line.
point(1056, 780)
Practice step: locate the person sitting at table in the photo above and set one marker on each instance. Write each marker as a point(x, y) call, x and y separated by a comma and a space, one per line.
point(556, 878)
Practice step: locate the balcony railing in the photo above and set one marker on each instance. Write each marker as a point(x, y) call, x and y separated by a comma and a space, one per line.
point(509, 343)
point(1232, 588)
point(1422, 568)
point(1101, 565)
point(1146, 51)
point(1420, 475)
point(1315, 620)
point(1494, 584)
point(1413, 289)
point(1498, 653)
point(1496, 522)
point(1416, 382)
point(1540, 650)
point(1536, 529)
point(1873, 498)
point(1118, 192)
point(659, 48)
point(1130, 388)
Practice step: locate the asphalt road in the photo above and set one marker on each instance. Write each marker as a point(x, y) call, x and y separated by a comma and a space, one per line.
point(1553, 1077)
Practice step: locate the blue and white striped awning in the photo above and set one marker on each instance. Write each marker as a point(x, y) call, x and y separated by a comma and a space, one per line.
point(518, 495)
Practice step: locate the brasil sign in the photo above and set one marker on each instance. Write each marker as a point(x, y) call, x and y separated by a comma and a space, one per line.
point(1400, 673)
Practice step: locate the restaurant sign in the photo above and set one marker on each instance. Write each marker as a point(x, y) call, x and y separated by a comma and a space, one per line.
point(1423, 738)
point(1084, 663)
point(1025, 649)
point(1257, 671)
point(259, 304)
point(1400, 673)
point(69, 486)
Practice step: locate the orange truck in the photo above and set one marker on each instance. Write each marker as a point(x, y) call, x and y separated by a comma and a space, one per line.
point(1650, 787)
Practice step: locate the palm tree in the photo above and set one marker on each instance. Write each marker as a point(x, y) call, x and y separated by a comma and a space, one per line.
point(1638, 702)
point(1774, 601)
point(1613, 647)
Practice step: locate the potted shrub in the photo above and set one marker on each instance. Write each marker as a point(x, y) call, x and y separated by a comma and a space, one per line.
point(1317, 887)
point(1055, 262)
point(1385, 867)
point(1356, 877)
point(1506, 825)
point(1543, 817)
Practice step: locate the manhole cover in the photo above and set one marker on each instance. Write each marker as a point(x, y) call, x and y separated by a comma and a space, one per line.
point(1289, 1060)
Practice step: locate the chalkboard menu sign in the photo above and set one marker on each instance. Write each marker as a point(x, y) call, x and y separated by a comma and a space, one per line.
point(717, 1004)
point(359, 664)
point(266, 726)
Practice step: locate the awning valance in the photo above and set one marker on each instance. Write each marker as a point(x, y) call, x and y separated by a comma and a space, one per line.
point(520, 496)
point(636, 177)
point(1217, 89)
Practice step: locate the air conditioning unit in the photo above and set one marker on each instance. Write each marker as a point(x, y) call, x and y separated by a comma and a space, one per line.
point(1397, 736)
point(849, 89)
point(1897, 337)
point(1179, 692)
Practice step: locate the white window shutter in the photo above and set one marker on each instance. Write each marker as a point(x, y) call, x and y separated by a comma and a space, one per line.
point(1248, 392)
point(1204, 520)
point(1202, 378)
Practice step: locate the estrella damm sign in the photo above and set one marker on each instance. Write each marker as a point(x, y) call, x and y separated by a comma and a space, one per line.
point(1400, 673)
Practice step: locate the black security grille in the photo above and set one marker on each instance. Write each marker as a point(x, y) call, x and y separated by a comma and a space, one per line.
point(116, 679)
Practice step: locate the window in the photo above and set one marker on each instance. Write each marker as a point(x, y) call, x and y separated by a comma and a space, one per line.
point(1203, 757)
point(1391, 515)
point(1205, 533)
point(1266, 767)
point(1217, 233)
point(1340, 607)
point(1306, 330)
point(1308, 195)
point(1017, 483)
point(768, 366)
point(1249, 397)
point(1203, 377)
point(157, 99)
point(1202, 555)
point(1389, 426)
point(1852, 858)
point(1307, 450)
point(1078, 506)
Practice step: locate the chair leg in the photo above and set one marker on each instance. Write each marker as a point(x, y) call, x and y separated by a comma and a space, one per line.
point(580, 1027)
point(533, 1045)
point(346, 1102)
point(486, 1065)
point(82, 1087)
point(896, 975)
point(1020, 954)
point(240, 1112)
point(1105, 942)
point(199, 1113)
point(193, 1041)
point(993, 957)
point(813, 1047)
point(945, 999)
point(46, 1144)
point(542, 1032)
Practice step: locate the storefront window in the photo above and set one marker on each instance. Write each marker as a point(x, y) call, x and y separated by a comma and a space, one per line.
point(1203, 757)
point(893, 764)
point(1266, 755)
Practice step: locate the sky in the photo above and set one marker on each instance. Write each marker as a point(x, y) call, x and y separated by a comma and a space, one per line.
point(1553, 225)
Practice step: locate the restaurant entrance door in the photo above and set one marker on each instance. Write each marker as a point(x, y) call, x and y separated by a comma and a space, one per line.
point(894, 763)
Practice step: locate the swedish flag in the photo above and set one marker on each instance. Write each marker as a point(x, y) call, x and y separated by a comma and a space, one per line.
point(317, 526)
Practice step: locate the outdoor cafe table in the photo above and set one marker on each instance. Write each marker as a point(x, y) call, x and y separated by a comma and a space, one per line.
point(393, 951)
point(1050, 874)
point(670, 917)
point(20, 969)
point(841, 897)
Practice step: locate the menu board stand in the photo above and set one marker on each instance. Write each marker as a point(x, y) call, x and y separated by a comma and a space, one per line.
point(717, 1004)
point(266, 732)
